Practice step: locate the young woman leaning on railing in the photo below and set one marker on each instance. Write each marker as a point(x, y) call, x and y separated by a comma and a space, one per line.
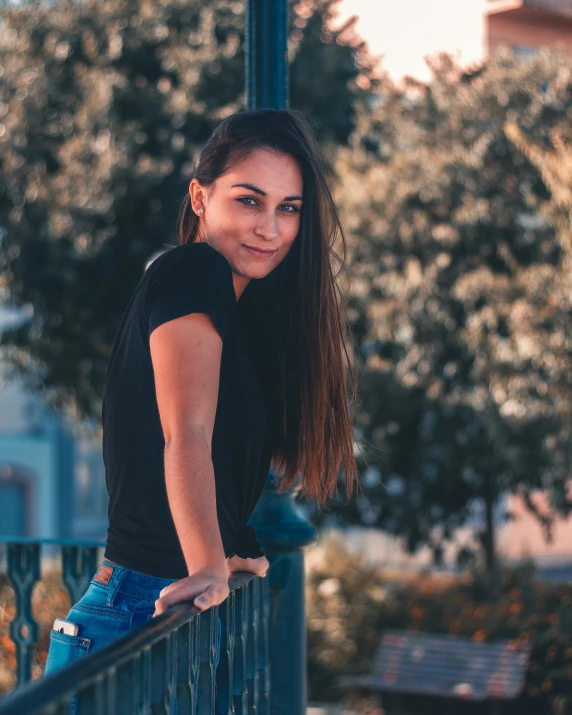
point(230, 359)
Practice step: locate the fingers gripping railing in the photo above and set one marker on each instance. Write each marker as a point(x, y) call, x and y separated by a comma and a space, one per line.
point(170, 658)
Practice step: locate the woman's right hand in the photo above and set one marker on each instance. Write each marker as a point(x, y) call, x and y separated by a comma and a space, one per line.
point(203, 588)
point(258, 566)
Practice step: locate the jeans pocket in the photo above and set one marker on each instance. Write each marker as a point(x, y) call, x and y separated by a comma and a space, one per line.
point(65, 649)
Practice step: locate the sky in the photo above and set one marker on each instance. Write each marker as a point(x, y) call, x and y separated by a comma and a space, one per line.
point(407, 30)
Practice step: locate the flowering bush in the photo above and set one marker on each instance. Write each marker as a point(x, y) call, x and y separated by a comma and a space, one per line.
point(350, 603)
point(50, 599)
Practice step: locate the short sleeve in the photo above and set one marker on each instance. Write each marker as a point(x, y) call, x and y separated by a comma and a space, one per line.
point(193, 278)
point(248, 546)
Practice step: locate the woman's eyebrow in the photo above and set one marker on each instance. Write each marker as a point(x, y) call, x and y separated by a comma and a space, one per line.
point(263, 193)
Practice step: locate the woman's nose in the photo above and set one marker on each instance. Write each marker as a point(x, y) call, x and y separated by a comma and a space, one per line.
point(267, 226)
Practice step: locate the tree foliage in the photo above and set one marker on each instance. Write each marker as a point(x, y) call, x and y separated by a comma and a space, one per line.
point(461, 298)
point(103, 110)
point(454, 196)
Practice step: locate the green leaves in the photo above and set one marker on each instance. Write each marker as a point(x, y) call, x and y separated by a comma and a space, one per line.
point(104, 108)
point(461, 296)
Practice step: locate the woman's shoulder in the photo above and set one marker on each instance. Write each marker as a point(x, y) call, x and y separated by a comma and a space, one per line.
point(193, 256)
point(190, 278)
point(188, 274)
point(190, 266)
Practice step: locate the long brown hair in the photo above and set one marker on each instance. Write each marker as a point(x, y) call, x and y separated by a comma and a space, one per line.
point(296, 313)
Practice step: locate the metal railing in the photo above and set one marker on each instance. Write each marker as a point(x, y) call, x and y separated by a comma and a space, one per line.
point(170, 657)
point(262, 664)
point(23, 568)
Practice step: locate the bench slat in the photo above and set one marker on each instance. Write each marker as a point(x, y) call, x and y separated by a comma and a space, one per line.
point(447, 666)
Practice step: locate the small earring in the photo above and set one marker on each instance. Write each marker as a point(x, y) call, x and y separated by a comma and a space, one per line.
point(199, 211)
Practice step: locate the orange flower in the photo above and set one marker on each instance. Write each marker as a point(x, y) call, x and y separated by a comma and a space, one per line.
point(7, 644)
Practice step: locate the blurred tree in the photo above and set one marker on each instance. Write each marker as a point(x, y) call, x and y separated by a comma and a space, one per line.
point(553, 158)
point(103, 109)
point(460, 300)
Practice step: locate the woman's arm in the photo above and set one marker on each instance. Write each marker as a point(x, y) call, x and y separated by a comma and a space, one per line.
point(186, 355)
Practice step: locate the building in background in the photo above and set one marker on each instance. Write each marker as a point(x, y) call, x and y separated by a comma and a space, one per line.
point(523, 538)
point(52, 475)
point(403, 34)
point(52, 478)
point(529, 25)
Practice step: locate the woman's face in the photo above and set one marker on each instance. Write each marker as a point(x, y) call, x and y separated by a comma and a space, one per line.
point(251, 214)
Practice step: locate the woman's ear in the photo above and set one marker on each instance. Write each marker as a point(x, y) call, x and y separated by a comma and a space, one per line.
point(198, 196)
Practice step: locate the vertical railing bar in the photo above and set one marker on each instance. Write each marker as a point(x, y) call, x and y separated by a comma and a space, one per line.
point(157, 676)
point(146, 690)
point(124, 687)
point(265, 659)
point(251, 681)
point(100, 693)
point(224, 705)
point(206, 689)
point(23, 571)
point(134, 667)
point(128, 687)
point(183, 684)
point(238, 678)
point(111, 692)
point(195, 644)
point(173, 669)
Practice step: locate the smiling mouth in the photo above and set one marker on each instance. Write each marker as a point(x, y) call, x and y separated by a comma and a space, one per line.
point(263, 253)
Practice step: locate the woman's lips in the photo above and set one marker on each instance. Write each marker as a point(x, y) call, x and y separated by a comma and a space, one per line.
point(259, 253)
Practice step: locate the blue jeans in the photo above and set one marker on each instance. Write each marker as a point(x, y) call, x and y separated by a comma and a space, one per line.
point(118, 600)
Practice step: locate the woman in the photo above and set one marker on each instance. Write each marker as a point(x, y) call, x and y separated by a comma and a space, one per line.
point(230, 359)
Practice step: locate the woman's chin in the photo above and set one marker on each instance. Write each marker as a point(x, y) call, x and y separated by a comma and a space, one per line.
point(257, 270)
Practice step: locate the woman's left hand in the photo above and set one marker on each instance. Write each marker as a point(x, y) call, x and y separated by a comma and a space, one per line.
point(257, 566)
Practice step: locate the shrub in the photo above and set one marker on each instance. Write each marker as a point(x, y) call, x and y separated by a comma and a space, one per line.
point(350, 603)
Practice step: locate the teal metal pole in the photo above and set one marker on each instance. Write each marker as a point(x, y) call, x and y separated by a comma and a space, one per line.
point(280, 527)
point(283, 532)
point(266, 36)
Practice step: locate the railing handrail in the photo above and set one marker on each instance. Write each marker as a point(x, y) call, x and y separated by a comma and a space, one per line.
point(39, 540)
point(85, 671)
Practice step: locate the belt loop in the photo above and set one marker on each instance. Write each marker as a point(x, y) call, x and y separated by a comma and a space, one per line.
point(112, 576)
point(119, 573)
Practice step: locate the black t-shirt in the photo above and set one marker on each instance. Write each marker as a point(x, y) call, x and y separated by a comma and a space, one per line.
point(192, 278)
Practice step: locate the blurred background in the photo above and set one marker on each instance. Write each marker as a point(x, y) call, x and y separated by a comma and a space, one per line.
point(447, 132)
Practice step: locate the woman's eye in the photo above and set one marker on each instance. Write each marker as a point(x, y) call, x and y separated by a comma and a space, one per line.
point(291, 208)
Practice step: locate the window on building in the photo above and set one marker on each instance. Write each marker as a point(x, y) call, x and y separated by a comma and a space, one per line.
point(524, 51)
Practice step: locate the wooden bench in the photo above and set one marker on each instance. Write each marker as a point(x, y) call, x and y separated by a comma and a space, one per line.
point(446, 667)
